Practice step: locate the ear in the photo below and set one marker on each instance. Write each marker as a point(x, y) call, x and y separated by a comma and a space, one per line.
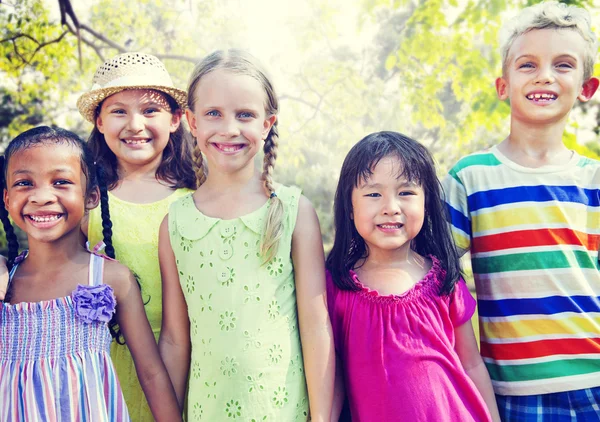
point(587, 91)
point(267, 125)
point(5, 198)
point(502, 88)
point(191, 118)
point(93, 199)
point(175, 120)
point(100, 125)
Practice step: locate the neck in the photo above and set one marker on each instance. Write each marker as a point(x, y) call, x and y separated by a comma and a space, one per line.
point(536, 146)
point(138, 172)
point(401, 257)
point(244, 179)
point(45, 256)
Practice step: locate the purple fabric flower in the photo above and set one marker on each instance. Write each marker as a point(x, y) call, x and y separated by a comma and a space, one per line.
point(94, 303)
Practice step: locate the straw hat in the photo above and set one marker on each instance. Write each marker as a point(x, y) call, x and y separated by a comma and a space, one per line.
point(128, 71)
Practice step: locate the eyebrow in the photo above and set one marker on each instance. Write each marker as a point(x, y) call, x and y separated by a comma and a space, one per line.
point(55, 171)
point(379, 185)
point(533, 56)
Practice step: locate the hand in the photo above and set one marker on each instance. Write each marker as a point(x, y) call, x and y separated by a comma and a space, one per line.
point(3, 277)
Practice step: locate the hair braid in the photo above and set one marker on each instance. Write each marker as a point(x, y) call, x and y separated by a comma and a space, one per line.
point(109, 250)
point(199, 165)
point(11, 237)
point(273, 226)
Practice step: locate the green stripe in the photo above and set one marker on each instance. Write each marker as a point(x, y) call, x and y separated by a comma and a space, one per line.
point(541, 371)
point(485, 159)
point(532, 261)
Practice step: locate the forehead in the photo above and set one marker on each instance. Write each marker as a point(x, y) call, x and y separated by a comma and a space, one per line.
point(548, 43)
point(136, 96)
point(223, 86)
point(46, 157)
point(388, 169)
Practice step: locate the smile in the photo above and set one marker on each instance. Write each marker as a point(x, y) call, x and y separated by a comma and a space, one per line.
point(229, 147)
point(391, 226)
point(135, 141)
point(44, 218)
point(542, 97)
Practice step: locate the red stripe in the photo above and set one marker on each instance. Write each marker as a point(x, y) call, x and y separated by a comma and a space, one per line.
point(531, 238)
point(541, 348)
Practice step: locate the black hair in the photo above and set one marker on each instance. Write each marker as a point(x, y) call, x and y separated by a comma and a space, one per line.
point(45, 135)
point(176, 167)
point(435, 237)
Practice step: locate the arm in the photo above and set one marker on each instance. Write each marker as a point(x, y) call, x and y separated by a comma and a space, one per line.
point(132, 320)
point(174, 343)
point(315, 328)
point(466, 349)
point(339, 391)
point(3, 277)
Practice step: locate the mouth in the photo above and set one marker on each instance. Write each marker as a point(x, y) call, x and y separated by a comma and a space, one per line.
point(542, 97)
point(44, 219)
point(390, 226)
point(135, 141)
point(229, 147)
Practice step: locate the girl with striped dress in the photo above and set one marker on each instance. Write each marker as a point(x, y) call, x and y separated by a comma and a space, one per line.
point(61, 305)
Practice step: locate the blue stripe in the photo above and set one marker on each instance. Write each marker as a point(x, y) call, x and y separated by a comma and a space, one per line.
point(538, 306)
point(458, 220)
point(494, 197)
point(39, 391)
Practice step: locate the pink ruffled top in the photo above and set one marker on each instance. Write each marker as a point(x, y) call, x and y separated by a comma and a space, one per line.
point(398, 355)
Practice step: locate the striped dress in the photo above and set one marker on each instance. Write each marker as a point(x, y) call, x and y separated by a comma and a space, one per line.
point(533, 236)
point(55, 364)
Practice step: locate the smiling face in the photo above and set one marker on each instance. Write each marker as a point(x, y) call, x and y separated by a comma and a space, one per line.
point(229, 120)
point(45, 191)
point(544, 76)
point(136, 125)
point(388, 210)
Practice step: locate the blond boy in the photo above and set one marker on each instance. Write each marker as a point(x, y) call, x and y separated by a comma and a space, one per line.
point(528, 211)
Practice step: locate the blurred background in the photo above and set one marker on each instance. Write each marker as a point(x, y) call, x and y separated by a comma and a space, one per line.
point(342, 69)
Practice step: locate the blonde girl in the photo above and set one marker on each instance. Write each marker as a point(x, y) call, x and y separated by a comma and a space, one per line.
point(242, 264)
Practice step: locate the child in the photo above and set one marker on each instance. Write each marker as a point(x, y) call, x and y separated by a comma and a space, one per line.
point(54, 359)
point(235, 257)
point(399, 309)
point(527, 209)
point(138, 140)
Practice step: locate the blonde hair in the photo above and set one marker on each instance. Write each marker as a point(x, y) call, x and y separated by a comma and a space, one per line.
point(551, 15)
point(243, 63)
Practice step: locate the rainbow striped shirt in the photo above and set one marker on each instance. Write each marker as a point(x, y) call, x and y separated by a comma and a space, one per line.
point(533, 236)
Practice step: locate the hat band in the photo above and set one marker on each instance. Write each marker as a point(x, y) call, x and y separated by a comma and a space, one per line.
point(136, 80)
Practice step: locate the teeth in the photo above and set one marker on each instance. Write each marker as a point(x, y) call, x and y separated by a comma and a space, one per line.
point(44, 219)
point(135, 141)
point(390, 226)
point(541, 96)
point(230, 148)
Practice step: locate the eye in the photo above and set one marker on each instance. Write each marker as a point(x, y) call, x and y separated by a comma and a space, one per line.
point(151, 110)
point(117, 111)
point(246, 115)
point(527, 65)
point(61, 182)
point(565, 65)
point(406, 193)
point(213, 113)
point(22, 183)
point(373, 195)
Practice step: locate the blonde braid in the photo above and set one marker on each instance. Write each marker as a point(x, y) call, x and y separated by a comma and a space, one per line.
point(274, 225)
point(199, 162)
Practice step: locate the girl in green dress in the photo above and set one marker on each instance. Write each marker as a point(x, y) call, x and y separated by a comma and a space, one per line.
point(242, 264)
point(138, 140)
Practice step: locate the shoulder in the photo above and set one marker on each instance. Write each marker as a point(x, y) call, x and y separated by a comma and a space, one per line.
point(476, 161)
point(117, 276)
point(307, 216)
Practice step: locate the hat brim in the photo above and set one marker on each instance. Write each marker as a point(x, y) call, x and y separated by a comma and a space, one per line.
point(88, 102)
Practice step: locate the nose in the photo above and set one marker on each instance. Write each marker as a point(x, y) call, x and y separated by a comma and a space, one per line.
point(229, 128)
point(135, 123)
point(544, 75)
point(42, 196)
point(391, 206)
